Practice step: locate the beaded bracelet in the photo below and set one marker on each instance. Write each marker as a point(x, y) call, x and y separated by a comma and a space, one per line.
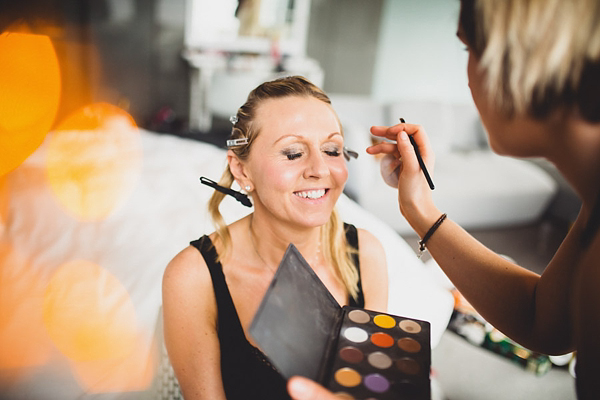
point(430, 232)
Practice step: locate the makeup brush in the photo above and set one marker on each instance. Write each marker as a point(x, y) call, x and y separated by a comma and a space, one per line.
point(420, 159)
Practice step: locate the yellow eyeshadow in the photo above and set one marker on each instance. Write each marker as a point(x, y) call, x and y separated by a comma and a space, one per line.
point(384, 321)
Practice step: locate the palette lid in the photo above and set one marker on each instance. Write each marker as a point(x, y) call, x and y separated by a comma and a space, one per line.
point(294, 322)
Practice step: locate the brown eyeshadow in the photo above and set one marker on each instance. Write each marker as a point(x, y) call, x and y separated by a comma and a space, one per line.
point(351, 354)
point(408, 366)
point(409, 345)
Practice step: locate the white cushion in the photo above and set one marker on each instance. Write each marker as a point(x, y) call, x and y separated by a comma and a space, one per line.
point(476, 189)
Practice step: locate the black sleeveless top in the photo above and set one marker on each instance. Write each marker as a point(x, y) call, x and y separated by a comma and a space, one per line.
point(245, 370)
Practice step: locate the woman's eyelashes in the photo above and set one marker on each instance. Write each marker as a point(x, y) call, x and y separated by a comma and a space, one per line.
point(293, 154)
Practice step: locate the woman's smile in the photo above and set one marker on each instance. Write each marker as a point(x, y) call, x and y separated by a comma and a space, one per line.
point(313, 194)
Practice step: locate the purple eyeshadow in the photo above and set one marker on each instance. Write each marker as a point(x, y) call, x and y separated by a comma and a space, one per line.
point(376, 383)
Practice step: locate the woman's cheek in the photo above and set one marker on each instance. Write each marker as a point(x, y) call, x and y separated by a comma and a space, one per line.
point(282, 177)
point(340, 171)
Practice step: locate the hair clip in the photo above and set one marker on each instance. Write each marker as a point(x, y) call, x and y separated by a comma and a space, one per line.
point(237, 142)
point(349, 153)
point(239, 196)
point(233, 119)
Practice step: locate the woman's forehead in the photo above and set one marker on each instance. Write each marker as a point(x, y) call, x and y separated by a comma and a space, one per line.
point(296, 115)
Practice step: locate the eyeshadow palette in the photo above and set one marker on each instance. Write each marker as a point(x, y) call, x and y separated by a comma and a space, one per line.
point(356, 353)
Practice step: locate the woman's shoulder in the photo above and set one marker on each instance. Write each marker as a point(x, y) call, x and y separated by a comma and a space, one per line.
point(370, 250)
point(367, 240)
point(186, 271)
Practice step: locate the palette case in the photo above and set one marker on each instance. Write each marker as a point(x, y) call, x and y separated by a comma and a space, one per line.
point(354, 352)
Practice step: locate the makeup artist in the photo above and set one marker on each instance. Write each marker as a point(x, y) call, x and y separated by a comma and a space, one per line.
point(534, 74)
point(287, 151)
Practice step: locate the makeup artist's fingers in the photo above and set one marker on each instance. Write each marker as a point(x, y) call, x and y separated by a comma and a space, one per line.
point(422, 141)
point(390, 170)
point(414, 194)
point(384, 148)
point(410, 163)
point(301, 388)
point(391, 133)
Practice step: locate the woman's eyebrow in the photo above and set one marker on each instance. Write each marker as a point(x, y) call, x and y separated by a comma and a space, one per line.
point(302, 137)
point(287, 136)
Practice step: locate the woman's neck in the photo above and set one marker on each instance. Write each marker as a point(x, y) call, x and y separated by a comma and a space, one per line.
point(577, 157)
point(270, 240)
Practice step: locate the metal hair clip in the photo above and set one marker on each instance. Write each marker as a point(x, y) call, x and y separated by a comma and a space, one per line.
point(349, 153)
point(237, 142)
point(233, 119)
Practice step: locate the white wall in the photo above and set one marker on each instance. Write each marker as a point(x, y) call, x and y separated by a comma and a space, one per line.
point(419, 55)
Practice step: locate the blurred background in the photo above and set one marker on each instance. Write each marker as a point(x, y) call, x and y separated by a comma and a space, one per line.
point(144, 53)
point(111, 109)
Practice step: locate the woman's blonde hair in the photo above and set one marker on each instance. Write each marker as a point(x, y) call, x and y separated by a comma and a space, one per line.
point(537, 55)
point(335, 248)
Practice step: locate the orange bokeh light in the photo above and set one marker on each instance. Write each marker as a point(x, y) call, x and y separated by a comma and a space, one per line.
point(90, 318)
point(94, 161)
point(23, 340)
point(4, 199)
point(30, 94)
point(88, 313)
point(133, 372)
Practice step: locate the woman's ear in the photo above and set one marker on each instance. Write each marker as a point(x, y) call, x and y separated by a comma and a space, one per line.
point(238, 170)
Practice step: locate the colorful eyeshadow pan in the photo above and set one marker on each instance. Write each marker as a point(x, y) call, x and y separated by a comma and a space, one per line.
point(409, 345)
point(351, 354)
point(380, 360)
point(356, 353)
point(409, 326)
point(359, 316)
point(343, 396)
point(356, 335)
point(377, 383)
point(408, 366)
point(347, 377)
point(384, 321)
point(381, 339)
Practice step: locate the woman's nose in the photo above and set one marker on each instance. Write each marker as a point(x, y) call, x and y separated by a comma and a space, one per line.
point(316, 166)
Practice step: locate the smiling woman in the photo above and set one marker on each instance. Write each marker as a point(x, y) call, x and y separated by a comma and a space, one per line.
point(286, 150)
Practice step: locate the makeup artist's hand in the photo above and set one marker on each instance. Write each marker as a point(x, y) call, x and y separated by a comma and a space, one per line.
point(414, 194)
point(301, 388)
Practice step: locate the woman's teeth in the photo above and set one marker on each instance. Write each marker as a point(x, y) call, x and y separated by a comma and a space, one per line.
point(311, 194)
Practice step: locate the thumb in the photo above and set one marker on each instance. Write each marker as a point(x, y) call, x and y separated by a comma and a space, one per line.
point(301, 388)
point(410, 163)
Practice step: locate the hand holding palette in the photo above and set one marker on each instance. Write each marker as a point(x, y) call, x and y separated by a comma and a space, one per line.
point(356, 353)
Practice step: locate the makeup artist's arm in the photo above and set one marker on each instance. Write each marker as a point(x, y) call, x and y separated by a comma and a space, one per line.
point(530, 310)
point(587, 323)
point(190, 319)
point(373, 271)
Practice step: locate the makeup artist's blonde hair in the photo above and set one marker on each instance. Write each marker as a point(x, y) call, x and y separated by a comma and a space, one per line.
point(335, 249)
point(537, 55)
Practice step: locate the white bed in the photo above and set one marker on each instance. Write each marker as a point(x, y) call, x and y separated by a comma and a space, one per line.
point(80, 300)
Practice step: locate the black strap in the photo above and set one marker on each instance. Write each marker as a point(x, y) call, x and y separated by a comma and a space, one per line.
point(228, 318)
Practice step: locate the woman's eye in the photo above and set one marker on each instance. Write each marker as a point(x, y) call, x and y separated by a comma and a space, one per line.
point(332, 153)
point(293, 156)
